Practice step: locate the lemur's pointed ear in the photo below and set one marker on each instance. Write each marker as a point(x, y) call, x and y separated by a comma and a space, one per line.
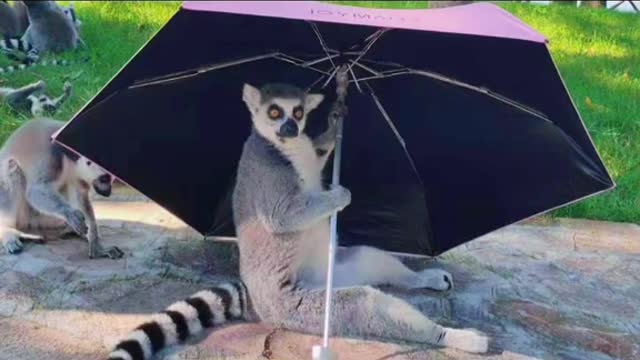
point(311, 101)
point(251, 96)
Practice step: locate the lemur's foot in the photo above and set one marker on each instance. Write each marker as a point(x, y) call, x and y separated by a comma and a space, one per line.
point(12, 245)
point(468, 340)
point(37, 239)
point(98, 252)
point(435, 279)
point(114, 252)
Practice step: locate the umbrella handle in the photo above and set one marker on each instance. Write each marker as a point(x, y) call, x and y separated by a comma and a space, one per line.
point(337, 115)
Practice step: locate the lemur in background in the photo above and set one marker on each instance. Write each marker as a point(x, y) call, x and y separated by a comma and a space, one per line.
point(45, 188)
point(281, 212)
point(13, 19)
point(51, 27)
point(31, 98)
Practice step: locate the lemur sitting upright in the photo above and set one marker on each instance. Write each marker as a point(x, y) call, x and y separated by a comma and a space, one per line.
point(281, 213)
point(31, 98)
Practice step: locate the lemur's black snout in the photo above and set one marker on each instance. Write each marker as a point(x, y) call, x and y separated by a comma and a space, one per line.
point(106, 178)
point(289, 129)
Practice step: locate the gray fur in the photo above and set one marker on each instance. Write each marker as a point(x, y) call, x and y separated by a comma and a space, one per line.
point(54, 196)
point(11, 20)
point(14, 19)
point(284, 91)
point(282, 225)
point(31, 98)
point(50, 29)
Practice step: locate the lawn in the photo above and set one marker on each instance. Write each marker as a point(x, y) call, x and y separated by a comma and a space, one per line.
point(596, 50)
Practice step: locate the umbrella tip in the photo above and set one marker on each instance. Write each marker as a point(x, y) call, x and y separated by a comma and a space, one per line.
point(323, 353)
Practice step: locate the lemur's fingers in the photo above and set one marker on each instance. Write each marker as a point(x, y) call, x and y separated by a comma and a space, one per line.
point(114, 253)
point(12, 245)
point(12, 166)
point(98, 252)
point(342, 196)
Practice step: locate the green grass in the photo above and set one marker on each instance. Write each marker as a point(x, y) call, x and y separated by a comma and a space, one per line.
point(597, 51)
point(113, 31)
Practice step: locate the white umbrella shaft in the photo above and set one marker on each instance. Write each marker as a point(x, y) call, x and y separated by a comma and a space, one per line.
point(337, 114)
point(333, 238)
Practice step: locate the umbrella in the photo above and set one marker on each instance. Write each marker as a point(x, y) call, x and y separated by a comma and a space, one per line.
point(459, 122)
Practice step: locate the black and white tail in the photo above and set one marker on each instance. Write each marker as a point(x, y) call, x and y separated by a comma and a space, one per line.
point(204, 309)
point(15, 44)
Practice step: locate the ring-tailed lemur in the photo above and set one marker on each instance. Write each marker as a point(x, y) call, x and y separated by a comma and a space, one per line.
point(54, 194)
point(32, 98)
point(13, 19)
point(281, 212)
point(51, 28)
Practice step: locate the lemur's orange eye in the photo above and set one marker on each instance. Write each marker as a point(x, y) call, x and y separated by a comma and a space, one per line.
point(298, 113)
point(275, 112)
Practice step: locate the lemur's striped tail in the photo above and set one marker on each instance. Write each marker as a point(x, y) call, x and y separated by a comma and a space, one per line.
point(10, 44)
point(204, 309)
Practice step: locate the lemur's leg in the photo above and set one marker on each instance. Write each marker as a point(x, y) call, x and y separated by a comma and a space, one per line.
point(57, 102)
point(363, 265)
point(305, 210)
point(45, 199)
point(12, 191)
point(367, 312)
point(81, 197)
point(8, 218)
point(16, 97)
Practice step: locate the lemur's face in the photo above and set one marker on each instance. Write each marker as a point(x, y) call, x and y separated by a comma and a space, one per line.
point(42, 105)
point(93, 174)
point(70, 12)
point(279, 117)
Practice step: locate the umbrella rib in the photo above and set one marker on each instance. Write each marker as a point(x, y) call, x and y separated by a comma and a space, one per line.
point(323, 44)
point(314, 83)
point(331, 76)
point(374, 37)
point(292, 60)
point(313, 62)
point(366, 68)
point(482, 90)
point(194, 72)
point(355, 79)
point(446, 79)
point(386, 116)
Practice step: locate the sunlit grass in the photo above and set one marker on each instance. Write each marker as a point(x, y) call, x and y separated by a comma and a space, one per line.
point(597, 51)
point(113, 31)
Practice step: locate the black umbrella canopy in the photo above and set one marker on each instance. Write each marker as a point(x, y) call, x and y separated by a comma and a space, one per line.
point(448, 137)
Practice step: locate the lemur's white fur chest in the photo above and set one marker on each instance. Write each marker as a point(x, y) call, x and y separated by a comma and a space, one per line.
point(305, 161)
point(311, 260)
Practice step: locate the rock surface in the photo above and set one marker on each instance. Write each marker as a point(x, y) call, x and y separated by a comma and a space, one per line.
point(550, 289)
